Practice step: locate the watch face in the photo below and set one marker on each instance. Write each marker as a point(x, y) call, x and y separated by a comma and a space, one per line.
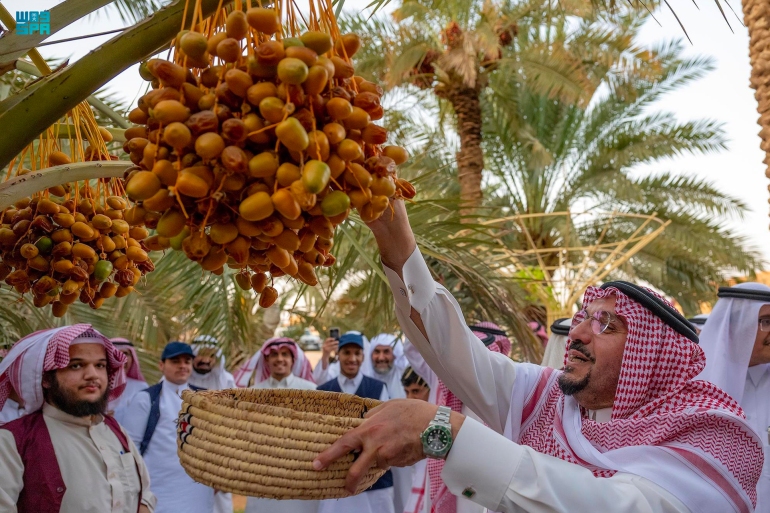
point(437, 439)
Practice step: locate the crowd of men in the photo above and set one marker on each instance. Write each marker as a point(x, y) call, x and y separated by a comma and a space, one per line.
point(634, 409)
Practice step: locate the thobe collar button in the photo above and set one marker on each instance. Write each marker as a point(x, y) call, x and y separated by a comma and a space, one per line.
point(60, 490)
point(403, 292)
point(469, 492)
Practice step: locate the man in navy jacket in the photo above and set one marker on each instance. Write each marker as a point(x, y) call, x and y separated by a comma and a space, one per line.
point(378, 498)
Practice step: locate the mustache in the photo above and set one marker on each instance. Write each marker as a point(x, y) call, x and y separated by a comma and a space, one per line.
point(580, 347)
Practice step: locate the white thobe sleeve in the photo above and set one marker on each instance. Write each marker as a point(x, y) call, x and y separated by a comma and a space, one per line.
point(483, 380)
point(507, 477)
point(11, 472)
point(136, 416)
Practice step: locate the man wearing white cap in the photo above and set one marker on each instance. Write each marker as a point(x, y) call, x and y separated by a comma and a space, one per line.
point(736, 339)
point(64, 455)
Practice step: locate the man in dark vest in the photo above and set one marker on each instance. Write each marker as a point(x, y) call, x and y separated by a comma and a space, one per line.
point(378, 498)
point(150, 420)
point(64, 455)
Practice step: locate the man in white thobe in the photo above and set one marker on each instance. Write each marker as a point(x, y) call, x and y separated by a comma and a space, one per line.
point(623, 428)
point(736, 339)
point(64, 454)
point(277, 358)
point(209, 373)
point(151, 421)
point(384, 360)
point(379, 497)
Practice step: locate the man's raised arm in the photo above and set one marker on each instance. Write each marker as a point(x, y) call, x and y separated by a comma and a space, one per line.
point(433, 322)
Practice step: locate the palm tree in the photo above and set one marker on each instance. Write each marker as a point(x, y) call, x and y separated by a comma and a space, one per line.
point(584, 159)
point(456, 49)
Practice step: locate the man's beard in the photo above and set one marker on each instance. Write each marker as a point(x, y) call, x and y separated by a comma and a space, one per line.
point(202, 371)
point(66, 402)
point(570, 387)
point(380, 370)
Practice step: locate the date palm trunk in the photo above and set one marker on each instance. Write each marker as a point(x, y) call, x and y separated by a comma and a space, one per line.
point(756, 15)
point(470, 159)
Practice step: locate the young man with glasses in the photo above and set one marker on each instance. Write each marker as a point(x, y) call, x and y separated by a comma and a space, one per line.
point(623, 428)
point(736, 340)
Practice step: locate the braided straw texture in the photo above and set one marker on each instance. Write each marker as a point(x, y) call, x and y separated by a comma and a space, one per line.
point(261, 443)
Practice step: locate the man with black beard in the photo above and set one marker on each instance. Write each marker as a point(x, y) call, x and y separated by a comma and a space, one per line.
point(208, 366)
point(66, 456)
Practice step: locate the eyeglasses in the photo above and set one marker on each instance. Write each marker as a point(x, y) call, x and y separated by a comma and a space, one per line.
point(602, 320)
point(764, 324)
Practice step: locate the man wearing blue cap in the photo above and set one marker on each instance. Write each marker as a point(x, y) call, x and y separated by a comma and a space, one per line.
point(150, 421)
point(378, 498)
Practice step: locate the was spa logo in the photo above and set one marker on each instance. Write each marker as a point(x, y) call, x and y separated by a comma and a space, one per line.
point(33, 22)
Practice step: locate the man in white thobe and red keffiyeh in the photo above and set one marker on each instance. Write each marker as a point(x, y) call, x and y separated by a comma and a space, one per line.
point(624, 427)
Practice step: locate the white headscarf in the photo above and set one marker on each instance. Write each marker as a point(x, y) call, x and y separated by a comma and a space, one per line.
point(216, 379)
point(392, 378)
point(555, 348)
point(728, 340)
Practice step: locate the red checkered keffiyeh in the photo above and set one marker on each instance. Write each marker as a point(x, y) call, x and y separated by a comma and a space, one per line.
point(135, 371)
point(687, 436)
point(48, 350)
point(441, 500)
point(257, 364)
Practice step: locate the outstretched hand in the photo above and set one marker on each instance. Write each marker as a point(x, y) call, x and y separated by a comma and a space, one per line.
point(394, 235)
point(389, 437)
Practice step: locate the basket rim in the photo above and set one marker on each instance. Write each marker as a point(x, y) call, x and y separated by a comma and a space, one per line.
point(281, 411)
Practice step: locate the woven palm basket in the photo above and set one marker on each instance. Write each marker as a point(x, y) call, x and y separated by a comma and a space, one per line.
point(261, 443)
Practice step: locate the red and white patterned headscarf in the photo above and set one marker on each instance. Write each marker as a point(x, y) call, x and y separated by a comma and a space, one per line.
point(133, 372)
point(685, 435)
point(48, 350)
point(441, 499)
point(257, 364)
